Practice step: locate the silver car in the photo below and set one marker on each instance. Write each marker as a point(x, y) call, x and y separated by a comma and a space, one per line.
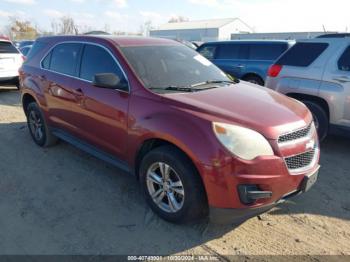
point(317, 73)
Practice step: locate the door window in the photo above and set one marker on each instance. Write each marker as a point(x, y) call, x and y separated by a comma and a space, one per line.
point(229, 51)
point(208, 51)
point(97, 60)
point(64, 58)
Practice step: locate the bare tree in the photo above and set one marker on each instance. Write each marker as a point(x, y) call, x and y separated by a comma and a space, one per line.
point(176, 19)
point(145, 28)
point(65, 26)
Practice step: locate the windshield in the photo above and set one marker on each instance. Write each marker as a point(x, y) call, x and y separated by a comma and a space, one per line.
point(171, 66)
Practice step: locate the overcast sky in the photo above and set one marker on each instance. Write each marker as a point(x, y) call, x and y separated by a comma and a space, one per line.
point(128, 15)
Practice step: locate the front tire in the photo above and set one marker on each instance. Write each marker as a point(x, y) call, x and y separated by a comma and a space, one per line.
point(320, 118)
point(172, 186)
point(37, 126)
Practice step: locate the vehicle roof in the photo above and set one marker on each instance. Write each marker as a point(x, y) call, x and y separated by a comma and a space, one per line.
point(257, 41)
point(121, 41)
point(326, 40)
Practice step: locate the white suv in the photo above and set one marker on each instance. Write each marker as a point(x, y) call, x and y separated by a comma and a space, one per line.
point(10, 61)
point(317, 72)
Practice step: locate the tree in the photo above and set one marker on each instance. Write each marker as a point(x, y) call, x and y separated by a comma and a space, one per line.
point(146, 28)
point(67, 26)
point(177, 19)
point(20, 30)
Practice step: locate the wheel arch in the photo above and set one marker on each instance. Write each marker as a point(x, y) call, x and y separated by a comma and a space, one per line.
point(318, 100)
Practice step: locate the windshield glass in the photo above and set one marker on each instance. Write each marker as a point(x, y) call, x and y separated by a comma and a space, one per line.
point(174, 66)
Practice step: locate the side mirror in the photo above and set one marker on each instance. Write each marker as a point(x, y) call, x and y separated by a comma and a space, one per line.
point(109, 80)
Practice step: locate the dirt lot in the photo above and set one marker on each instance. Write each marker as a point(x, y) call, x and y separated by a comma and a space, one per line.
point(63, 201)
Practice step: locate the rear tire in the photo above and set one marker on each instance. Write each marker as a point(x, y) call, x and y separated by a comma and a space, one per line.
point(320, 118)
point(254, 79)
point(37, 126)
point(179, 199)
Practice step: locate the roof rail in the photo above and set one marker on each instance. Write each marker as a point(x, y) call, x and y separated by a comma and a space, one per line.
point(336, 35)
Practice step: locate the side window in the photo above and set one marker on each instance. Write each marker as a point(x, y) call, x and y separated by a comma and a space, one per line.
point(46, 61)
point(302, 54)
point(344, 60)
point(97, 60)
point(229, 51)
point(266, 51)
point(208, 51)
point(65, 57)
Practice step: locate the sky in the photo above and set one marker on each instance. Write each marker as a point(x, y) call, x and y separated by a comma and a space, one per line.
point(129, 15)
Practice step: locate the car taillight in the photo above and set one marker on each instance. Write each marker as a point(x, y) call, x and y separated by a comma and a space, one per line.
point(274, 70)
point(23, 58)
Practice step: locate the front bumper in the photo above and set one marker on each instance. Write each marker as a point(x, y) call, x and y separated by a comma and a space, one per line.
point(237, 215)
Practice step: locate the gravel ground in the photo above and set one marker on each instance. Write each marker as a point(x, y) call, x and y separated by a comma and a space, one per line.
point(63, 201)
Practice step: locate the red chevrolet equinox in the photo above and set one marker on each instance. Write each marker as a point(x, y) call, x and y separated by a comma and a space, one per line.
point(198, 141)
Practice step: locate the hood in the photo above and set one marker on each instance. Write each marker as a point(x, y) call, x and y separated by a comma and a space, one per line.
point(247, 105)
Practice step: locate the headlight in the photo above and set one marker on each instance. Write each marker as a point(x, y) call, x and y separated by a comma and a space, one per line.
point(242, 142)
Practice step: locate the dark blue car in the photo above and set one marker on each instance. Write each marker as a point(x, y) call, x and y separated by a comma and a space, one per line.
point(247, 60)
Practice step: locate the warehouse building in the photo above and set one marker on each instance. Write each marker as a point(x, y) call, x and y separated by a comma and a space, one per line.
point(203, 30)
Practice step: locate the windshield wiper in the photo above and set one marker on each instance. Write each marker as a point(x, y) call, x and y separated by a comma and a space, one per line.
point(215, 82)
point(174, 88)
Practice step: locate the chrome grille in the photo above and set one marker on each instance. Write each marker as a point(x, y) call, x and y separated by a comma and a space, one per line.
point(300, 161)
point(301, 133)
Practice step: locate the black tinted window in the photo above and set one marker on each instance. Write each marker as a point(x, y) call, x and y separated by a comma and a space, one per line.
point(46, 62)
point(208, 51)
point(64, 58)
point(344, 60)
point(266, 51)
point(7, 48)
point(97, 60)
point(229, 51)
point(302, 54)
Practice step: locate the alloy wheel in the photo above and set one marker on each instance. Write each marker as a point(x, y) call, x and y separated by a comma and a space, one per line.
point(36, 125)
point(165, 187)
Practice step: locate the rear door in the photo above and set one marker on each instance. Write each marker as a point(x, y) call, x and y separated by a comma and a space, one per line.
point(62, 95)
point(231, 58)
point(336, 87)
point(10, 60)
point(103, 111)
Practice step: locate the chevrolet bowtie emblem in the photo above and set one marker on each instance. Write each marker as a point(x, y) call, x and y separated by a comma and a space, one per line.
point(310, 144)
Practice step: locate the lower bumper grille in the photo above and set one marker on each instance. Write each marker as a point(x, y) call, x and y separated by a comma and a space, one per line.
point(301, 161)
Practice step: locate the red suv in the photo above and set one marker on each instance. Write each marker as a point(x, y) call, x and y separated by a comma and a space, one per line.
point(198, 141)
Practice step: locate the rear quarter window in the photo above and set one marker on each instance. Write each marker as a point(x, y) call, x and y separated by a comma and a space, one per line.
point(344, 60)
point(8, 48)
point(302, 54)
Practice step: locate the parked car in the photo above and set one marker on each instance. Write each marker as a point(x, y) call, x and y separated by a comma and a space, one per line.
point(162, 112)
point(25, 50)
point(10, 61)
point(317, 73)
point(23, 43)
point(247, 60)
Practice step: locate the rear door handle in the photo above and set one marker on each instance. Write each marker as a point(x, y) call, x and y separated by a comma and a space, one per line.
point(78, 92)
point(239, 66)
point(342, 79)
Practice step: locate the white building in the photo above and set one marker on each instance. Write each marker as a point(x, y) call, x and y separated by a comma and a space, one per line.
point(202, 30)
